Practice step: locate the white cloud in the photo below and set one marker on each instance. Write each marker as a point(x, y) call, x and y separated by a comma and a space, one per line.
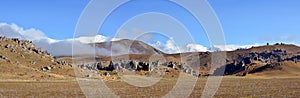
point(171, 47)
point(91, 39)
point(15, 31)
point(9, 30)
point(232, 47)
point(55, 47)
point(33, 34)
point(196, 48)
point(64, 47)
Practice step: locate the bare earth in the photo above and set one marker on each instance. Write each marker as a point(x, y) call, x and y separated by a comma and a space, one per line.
point(230, 87)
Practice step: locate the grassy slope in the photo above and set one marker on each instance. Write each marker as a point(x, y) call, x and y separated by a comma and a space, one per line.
point(21, 67)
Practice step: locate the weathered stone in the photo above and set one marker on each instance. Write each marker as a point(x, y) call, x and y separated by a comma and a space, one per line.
point(45, 68)
point(37, 51)
point(49, 68)
point(13, 50)
point(3, 57)
point(17, 62)
point(53, 67)
point(9, 46)
point(23, 56)
point(88, 76)
point(107, 74)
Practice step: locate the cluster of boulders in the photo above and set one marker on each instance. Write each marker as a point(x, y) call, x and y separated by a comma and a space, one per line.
point(133, 65)
point(48, 68)
point(22, 45)
point(63, 62)
point(129, 65)
point(39, 51)
point(242, 61)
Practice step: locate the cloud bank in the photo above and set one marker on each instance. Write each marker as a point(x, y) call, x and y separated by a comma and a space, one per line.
point(233, 47)
point(171, 47)
point(55, 47)
point(64, 47)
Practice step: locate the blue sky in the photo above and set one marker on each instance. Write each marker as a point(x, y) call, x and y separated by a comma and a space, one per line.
point(56, 18)
point(244, 21)
point(255, 21)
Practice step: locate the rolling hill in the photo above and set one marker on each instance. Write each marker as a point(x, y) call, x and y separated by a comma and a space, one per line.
point(126, 46)
point(21, 60)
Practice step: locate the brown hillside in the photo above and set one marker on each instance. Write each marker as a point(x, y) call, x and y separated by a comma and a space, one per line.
point(279, 62)
point(20, 59)
point(291, 49)
point(126, 46)
point(205, 58)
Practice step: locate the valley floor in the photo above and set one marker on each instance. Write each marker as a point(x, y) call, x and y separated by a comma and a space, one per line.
point(231, 87)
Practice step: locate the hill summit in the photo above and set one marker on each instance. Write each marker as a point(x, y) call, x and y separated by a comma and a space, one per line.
point(126, 46)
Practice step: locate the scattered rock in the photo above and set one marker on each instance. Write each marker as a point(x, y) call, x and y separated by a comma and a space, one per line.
point(48, 68)
point(23, 56)
point(63, 63)
point(88, 76)
point(13, 50)
point(45, 69)
point(53, 67)
point(17, 62)
point(107, 74)
point(3, 57)
point(9, 46)
point(32, 62)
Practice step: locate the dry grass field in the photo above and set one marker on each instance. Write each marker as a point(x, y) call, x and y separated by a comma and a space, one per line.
point(231, 87)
